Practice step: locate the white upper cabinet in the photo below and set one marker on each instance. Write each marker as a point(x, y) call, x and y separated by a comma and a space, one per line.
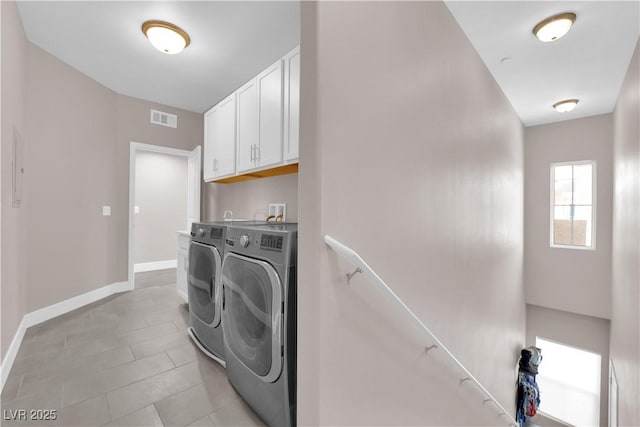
point(257, 127)
point(291, 126)
point(247, 126)
point(260, 120)
point(220, 139)
point(269, 150)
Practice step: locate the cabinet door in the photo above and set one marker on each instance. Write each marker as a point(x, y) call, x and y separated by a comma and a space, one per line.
point(270, 115)
point(183, 266)
point(224, 134)
point(207, 157)
point(291, 105)
point(247, 99)
point(181, 274)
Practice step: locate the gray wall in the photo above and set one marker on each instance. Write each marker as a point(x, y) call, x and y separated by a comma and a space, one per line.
point(250, 199)
point(134, 125)
point(583, 332)
point(12, 220)
point(412, 156)
point(625, 320)
point(161, 195)
point(572, 280)
point(78, 136)
point(71, 128)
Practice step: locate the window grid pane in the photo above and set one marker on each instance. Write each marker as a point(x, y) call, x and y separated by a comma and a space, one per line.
point(572, 211)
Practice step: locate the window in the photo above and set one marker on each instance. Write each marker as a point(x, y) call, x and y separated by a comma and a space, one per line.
point(573, 204)
point(569, 382)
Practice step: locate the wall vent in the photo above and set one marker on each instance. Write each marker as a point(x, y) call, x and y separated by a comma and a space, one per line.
point(164, 119)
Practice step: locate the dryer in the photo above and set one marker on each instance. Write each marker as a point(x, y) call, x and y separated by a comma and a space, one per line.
point(259, 318)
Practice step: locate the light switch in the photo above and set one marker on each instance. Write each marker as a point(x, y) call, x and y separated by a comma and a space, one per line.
point(136, 210)
point(106, 211)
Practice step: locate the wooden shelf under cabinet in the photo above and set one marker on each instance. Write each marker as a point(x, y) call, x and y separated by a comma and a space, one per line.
point(280, 170)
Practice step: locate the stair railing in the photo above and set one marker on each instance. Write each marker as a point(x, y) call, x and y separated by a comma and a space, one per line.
point(362, 267)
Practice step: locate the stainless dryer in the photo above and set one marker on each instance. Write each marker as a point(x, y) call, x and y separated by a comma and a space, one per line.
point(259, 318)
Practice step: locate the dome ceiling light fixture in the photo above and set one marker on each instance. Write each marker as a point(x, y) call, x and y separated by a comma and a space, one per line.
point(165, 36)
point(566, 105)
point(554, 27)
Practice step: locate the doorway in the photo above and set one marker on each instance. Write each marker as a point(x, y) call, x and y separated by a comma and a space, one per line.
point(159, 207)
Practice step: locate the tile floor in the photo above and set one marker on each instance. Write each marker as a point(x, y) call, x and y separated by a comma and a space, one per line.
point(123, 361)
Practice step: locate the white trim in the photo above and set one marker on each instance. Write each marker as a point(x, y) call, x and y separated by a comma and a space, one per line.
point(194, 175)
point(552, 202)
point(195, 160)
point(46, 313)
point(155, 265)
point(42, 315)
point(183, 296)
point(613, 396)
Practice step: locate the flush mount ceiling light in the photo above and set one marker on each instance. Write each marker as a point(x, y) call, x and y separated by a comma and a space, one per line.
point(565, 106)
point(554, 27)
point(165, 36)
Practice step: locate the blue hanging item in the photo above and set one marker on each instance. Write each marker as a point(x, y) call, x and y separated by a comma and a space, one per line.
point(528, 398)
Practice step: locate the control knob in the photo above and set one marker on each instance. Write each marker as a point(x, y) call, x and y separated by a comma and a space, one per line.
point(244, 240)
point(201, 232)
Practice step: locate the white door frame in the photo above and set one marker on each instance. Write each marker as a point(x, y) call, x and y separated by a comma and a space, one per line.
point(193, 185)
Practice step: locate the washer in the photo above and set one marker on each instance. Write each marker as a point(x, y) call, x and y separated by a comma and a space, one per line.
point(259, 318)
point(206, 252)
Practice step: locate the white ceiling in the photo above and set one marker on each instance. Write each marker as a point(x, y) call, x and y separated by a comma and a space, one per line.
point(231, 41)
point(234, 40)
point(589, 63)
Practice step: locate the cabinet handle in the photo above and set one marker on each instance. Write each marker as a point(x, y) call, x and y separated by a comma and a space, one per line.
point(257, 155)
point(215, 164)
point(251, 157)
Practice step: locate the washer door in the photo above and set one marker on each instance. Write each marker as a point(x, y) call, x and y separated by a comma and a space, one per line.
point(204, 289)
point(252, 314)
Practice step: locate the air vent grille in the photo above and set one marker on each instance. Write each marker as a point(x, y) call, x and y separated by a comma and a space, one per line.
point(164, 119)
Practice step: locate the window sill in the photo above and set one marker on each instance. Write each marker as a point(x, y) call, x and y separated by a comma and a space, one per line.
point(580, 248)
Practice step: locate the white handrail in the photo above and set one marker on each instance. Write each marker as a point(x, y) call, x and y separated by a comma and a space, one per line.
point(363, 267)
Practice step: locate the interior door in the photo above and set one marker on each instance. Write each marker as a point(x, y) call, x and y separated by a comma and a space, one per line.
point(251, 314)
point(193, 187)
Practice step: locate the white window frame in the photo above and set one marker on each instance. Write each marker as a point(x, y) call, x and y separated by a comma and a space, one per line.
point(552, 202)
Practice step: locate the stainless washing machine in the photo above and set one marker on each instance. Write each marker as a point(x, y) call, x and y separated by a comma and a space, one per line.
point(259, 318)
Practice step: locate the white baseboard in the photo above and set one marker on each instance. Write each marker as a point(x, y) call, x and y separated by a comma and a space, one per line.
point(70, 304)
point(42, 315)
point(156, 265)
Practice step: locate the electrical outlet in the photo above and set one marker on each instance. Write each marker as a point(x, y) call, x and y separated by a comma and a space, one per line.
point(278, 210)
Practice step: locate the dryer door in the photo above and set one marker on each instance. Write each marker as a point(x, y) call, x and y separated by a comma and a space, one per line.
point(252, 314)
point(203, 289)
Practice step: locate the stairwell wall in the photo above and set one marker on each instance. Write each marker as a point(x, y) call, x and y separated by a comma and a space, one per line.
point(412, 156)
point(625, 318)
